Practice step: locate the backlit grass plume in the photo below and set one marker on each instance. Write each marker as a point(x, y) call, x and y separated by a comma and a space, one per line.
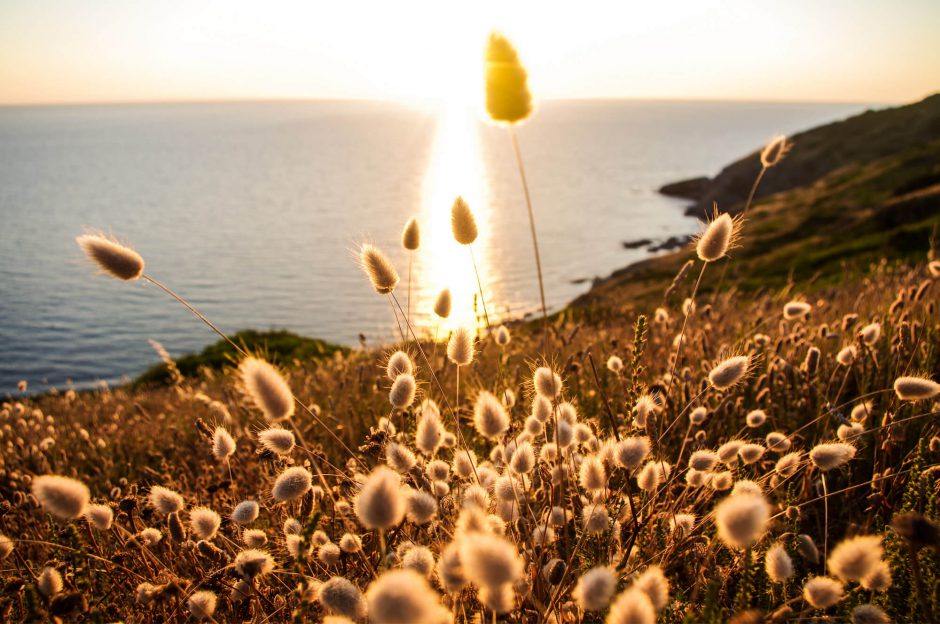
point(115, 259)
point(267, 389)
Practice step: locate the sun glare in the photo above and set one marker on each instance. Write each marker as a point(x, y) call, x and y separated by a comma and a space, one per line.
point(455, 169)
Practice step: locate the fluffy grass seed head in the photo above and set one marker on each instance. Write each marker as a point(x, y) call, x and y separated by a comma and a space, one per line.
point(402, 394)
point(654, 584)
point(507, 90)
point(595, 588)
point(291, 484)
point(404, 597)
point(462, 222)
point(869, 614)
point(204, 522)
point(266, 388)
point(831, 455)
point(398, 363)
point(741, 519)
point(63, 497)
point(775, 151)
point(856, 558)
point(339, 596)
point(729, 372)
point(49, 582)
point(632, 607)
point(380, 503)
point(245, 512)
point(502, 336)
point(223, 444)
point(719, 236)
point(460, 347)
point(115, 259)
point(277, 440)
point(822, 592)
point(165, 500)
point(778, 564)
point(796, 309)
point(202, 604)
point(411, 235)
point(916, 388)
point(379, 269)
point(252, 563)
point(489, 416)
point(547, 383)
point(442, 304)
point(490, 560)
point(99, 516)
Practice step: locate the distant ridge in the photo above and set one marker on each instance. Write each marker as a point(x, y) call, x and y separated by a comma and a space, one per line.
point(860, 139)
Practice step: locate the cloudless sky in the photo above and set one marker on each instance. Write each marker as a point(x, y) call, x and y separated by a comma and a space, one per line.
point(57, 51)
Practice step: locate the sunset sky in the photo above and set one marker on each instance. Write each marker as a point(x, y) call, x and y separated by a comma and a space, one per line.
point(63, 51)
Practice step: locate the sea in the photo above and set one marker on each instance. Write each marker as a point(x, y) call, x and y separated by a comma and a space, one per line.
point(254, 212)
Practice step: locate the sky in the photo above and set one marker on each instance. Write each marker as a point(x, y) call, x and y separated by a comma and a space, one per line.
point(67, 51)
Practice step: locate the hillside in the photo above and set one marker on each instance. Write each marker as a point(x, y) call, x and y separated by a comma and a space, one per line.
point(859, 140)
point(847, 194)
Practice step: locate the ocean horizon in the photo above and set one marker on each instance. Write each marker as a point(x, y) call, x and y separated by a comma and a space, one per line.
point(253, 210)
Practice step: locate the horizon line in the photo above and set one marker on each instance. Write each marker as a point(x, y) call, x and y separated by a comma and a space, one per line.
point(429, 101)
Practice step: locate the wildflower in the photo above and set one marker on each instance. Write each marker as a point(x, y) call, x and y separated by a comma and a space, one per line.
point(822, 592)
point(328, 554)
point(777, 442)
point(501, 336)
point(741, 519)
point(682, 523)
point(879, 578)
point(614, 364)
point(807, 548)
point(267, 389)
point(916, 388)
point(293, 483)
point(787, 465)
point(595, 588)
point(429, 432)
point(596, 518)
point(114, 258)
point(870, 333)
point(698, 415)
point(254, 538)
point(379, 269)
point(751, 453)
point(523, 459)
point(507, 91)
point(380, 504)
point(490, 560)
point(653, 473)
point(460, 347)
point(63, 497)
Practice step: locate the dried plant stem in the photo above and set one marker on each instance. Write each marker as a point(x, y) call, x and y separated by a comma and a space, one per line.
point(747, 206)
point(825, 520)
point(476, 272)
point(244, 353)
point(535, 240)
